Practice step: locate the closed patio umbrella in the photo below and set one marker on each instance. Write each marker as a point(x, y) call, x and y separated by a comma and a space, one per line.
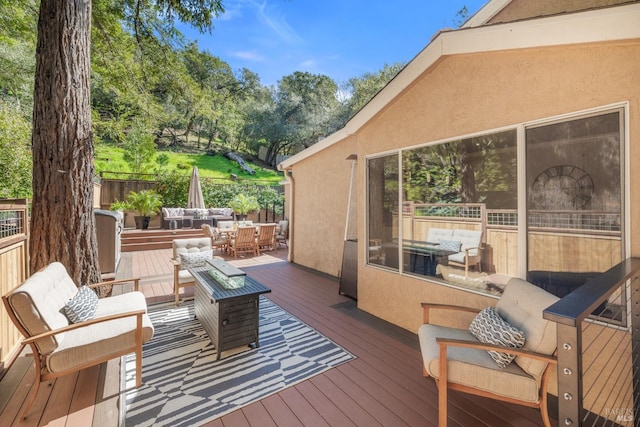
point(196, 200)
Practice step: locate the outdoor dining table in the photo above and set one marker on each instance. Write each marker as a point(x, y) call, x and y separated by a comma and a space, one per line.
point(429, 252)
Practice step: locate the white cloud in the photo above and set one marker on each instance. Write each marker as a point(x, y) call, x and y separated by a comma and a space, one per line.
point(249, 56)
point(277, 22)
point(309, 63)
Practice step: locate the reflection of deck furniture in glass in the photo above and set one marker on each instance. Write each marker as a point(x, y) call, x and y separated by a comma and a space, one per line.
point(230, 316)
point(428, 252)
point(469, 240)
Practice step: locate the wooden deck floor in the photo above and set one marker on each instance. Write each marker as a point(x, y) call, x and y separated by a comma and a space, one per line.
point(382, 386)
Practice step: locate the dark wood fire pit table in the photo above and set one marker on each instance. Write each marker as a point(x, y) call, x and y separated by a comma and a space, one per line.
point(230, 316)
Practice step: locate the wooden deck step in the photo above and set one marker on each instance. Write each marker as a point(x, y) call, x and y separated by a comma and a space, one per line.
point(152, 239)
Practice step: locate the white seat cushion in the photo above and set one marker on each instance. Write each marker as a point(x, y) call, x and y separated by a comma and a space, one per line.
point(474, 368)
point(184, 277)
point(99, 341)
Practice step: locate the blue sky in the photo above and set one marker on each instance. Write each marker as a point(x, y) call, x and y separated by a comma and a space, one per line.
point(338, 38)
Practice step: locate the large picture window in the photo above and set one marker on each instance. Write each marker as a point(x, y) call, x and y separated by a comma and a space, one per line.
point(575, 202)
point(450, 190)
point(472, 216)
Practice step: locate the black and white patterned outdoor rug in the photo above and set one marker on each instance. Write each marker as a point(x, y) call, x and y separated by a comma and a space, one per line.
point(184, 385)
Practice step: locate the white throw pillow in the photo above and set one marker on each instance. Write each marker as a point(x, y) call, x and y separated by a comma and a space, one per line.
point(488, 327)
point(195, 259)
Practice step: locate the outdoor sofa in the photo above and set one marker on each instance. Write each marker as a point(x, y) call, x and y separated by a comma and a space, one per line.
point(184, 217)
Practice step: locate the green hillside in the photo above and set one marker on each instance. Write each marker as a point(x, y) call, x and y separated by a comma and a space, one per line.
point(111, 159)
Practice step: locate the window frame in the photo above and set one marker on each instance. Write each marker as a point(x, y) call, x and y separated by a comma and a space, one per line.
point(520, 128)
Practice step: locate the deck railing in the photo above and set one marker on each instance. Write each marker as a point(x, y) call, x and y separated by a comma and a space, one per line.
point(599, 361)
point(14, 264)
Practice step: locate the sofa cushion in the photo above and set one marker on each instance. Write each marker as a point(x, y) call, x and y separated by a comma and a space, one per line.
point(172, 212)
point(488, 327)
point(82, 306)
point(522, 304)
point(221, 211)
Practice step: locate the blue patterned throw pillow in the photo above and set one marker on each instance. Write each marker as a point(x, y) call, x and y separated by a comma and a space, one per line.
point(488, 327)
point(449, 245)
point(82, 306)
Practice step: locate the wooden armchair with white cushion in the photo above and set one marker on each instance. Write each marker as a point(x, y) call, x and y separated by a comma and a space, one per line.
point(188, 253)
point(70, 328)
point(466, 244)
point(460, 359)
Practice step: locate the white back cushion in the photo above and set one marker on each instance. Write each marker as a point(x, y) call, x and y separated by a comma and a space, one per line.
point(436, 234)
point(197, 244)
point(522, 304)
point(469, 239)
point(38, 303)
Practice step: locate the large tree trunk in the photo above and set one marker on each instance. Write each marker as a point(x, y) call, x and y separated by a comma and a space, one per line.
point(62, 221)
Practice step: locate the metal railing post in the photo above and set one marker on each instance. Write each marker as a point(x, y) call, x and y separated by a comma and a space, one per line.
point(569, 375)
point(635, 346)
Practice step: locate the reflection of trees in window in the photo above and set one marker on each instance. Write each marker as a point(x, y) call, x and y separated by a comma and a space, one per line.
point(576, 164)
point(383, 196)
point(473, 170)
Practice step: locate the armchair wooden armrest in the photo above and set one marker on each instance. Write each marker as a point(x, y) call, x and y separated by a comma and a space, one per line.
point(135, 280)
point(176, 267)
point(467, 255)
point(72, 326)
point(426, 306)
point(450, 342)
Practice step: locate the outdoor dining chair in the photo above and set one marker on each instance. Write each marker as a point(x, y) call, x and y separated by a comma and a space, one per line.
point(218, 240)
point(244, 241)
point(266, 237)
point(282, 234)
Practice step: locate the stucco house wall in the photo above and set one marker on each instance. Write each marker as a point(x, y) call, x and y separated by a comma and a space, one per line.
point(320, 188)
point(477, 88)
point(478, 92)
